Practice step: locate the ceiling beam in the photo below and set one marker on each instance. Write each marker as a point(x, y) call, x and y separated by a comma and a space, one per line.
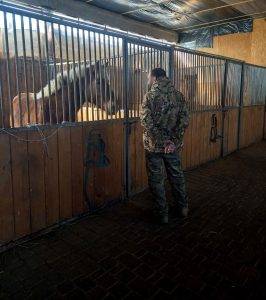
point(85, 11)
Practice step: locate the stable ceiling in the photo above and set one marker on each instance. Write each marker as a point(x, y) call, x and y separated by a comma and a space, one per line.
point(183, 15)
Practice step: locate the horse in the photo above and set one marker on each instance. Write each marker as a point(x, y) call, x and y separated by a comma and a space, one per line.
point(62, 97)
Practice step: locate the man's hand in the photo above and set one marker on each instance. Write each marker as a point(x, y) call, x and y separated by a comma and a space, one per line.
point(169, 147)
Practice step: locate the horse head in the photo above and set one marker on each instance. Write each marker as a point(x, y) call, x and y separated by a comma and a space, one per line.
point(101, 87)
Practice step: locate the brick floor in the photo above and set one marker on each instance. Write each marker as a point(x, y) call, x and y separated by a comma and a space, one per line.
point(217, 253)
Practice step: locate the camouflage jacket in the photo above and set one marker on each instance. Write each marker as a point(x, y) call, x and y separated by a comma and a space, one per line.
point(164, 116)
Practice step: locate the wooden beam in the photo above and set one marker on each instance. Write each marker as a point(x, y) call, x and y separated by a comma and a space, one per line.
point(85, 11)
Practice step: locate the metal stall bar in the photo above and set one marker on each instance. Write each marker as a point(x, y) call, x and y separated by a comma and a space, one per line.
point(115, 58)
point(105, 72)
point(40, 68)
point(48, 71)
point(8, 72)
point(85, 74)
point(99, 65)
point(74, 68)
point(62, 73)
point(224, 109)
point(16, 69)
point(126, 123)
point(90, 66)
point(25, 70)
point(79, 74)
point(33, 72)
point(70, 117)
point(55, 73)
point(240, 108)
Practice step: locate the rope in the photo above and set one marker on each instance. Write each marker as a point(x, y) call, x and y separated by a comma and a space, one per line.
point(43, 139)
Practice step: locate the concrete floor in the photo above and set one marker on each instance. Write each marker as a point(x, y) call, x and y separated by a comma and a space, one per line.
point(219, 252)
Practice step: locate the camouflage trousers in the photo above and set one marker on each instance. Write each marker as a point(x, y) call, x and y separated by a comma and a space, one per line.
point(157, 164)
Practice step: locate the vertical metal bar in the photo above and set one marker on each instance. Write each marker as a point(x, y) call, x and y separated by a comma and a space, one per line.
point(40, 69)
point(55, 73)
point(217, 83)
point(62, 73)
point(79, 80)
point(127, 125)
point(118, 78)
point(74, 71)
point(114, 75)
point(148, 60)
point(213, 103)
point(121, 104)
point(223, 106)
point(131, 85)
point(96, 71)
point(197, 97)
point(152, 58)
point(48, 71)
point(134, 81)
point(100, 74)
point(68, 79)
point(25, 69)
point(33, 71)
point(16, 68)
point(171, 63)
point(105, 77)
point(138, 80)
point(8, 72)
point(85, 73)
point(141, 74)
point(240, 108)
point(109, 59)
point(90, 66)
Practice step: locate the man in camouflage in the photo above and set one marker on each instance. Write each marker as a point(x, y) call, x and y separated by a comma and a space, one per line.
point(164, 118)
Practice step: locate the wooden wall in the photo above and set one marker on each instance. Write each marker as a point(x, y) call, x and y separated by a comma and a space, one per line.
point(42, 184)
point(252, 122)
point(230, 144)
point(249, 47)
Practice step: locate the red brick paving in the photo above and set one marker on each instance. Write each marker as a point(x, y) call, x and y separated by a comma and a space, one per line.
point(217, 253)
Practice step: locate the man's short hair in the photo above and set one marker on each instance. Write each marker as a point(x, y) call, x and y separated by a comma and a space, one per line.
point(158, 72)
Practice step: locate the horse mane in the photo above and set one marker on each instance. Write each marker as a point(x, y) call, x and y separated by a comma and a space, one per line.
point(61, 80)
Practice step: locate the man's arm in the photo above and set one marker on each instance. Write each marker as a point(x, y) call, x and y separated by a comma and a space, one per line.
point(147, 120)
point(182, 119)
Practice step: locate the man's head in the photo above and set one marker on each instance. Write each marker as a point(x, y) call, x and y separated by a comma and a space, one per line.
point(155, 75)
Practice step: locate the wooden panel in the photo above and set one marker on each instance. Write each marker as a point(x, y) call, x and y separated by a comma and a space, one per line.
point(51, 177)
point(77, 169)
point(231, 130)
point(65, 183)
point(258, 45)
point(36, 179)
point(252, 119)
point(6, 201)
point(20, 174)
point(106, 184)
point(197, 146)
